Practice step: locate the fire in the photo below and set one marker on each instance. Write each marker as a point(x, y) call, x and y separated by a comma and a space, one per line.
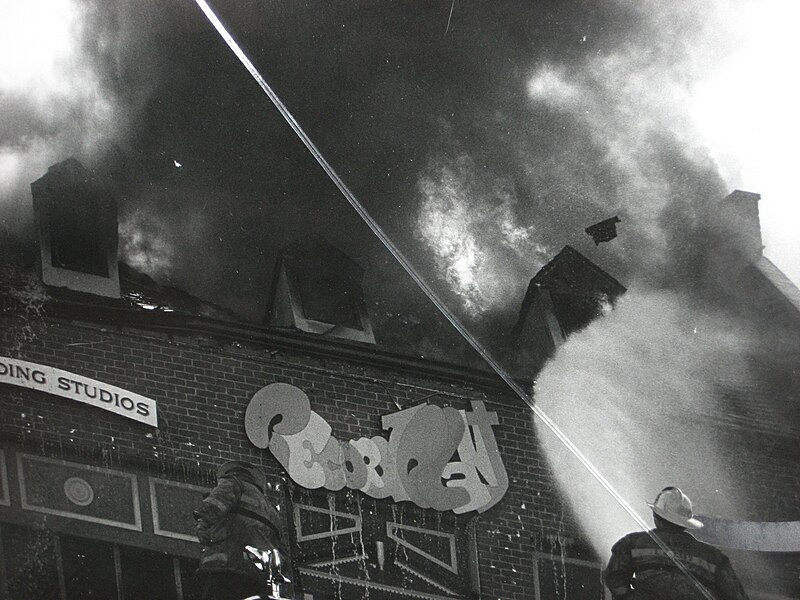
point(470, 224)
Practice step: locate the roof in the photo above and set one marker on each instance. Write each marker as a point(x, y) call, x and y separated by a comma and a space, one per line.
point(572, 279)
point(780, 281)
point(141, 291)
point(137, 290)
point(149, 306)
point(571, 272)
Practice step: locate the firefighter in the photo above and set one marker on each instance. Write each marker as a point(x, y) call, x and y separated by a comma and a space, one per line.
point(640, 569)
point(235, 514)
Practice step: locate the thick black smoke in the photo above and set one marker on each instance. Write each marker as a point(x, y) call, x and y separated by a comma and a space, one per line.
point(482, 143)
point(483, 136)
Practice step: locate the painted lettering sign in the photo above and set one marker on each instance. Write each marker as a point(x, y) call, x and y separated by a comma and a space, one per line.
point(78, 388)
point(414, 463)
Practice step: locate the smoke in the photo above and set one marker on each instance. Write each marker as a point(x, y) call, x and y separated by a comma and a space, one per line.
point(745, 110)
point(636, 391)
point(556, 116)
point(55, 101)
point(168, 236)
point(599, 131)
point(146, 246)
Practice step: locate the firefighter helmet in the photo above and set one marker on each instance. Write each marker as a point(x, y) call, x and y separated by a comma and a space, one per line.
point(248, 472)
point(674, 506)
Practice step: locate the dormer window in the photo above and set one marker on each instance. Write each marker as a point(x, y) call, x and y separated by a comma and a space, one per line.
point(317, 289)
point(77, 227)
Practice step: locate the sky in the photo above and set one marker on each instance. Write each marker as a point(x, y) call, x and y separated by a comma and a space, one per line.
point(482, 136)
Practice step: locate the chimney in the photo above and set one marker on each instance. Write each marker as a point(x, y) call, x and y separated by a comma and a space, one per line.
point(740, 224)
point(76, 222)
point(317, 289)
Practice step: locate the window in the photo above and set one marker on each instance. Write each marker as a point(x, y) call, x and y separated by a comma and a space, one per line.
point(75, 236)
point(30, 562)
point(88, 568)
point(147, 574)
point(40, 564)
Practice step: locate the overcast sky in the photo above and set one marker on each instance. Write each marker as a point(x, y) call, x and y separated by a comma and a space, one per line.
point(483, 136)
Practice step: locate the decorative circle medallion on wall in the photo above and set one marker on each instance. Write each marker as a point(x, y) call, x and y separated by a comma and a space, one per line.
point(78, 491)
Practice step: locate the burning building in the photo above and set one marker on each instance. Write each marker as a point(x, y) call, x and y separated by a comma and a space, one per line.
point(415, 477)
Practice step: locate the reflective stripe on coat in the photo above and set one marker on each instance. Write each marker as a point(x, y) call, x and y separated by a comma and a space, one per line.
point(639, 564)
point(236, 515)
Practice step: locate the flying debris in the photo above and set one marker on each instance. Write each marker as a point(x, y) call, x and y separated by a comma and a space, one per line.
point(450, 17)
point(604, 231)
point(177, 164)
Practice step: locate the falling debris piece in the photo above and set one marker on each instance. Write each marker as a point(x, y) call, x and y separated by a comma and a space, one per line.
point(177, 164)
point(450, 17)
point(604, 231)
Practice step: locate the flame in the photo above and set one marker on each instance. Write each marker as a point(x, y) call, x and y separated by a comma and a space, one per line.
point(471, 226)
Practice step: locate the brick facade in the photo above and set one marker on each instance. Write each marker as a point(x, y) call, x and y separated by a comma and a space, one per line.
point(202, 387)
point(202, 374)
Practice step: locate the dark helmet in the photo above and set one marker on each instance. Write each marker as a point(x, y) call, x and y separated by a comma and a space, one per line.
point(244, 470)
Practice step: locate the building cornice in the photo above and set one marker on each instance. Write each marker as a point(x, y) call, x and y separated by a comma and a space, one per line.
point(367, 355)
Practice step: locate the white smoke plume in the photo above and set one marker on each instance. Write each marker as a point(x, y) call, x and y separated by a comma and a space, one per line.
point(146, 246)
point(55, 102)
point(172, 239)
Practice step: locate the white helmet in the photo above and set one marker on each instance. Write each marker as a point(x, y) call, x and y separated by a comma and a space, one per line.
point(674, 506)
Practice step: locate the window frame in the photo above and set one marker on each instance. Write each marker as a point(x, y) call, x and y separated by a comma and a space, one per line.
point(59, 561)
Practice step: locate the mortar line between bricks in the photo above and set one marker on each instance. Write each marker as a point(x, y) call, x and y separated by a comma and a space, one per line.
point(150, 338)
point(366, 378)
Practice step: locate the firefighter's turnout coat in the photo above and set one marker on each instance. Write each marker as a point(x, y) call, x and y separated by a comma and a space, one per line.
point(657, 576)
point(233, 515)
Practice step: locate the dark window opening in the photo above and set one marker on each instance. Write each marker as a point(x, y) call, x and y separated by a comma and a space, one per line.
point(75, 243)
point(30, 562)
point(329, 300)
point(147, 574)
point(41, 564)
point(89, 570)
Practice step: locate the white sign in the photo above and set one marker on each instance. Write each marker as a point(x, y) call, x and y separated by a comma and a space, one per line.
point(82, 389)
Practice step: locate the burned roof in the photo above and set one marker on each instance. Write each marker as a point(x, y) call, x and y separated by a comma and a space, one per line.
point(138, 291)
point(571, 272)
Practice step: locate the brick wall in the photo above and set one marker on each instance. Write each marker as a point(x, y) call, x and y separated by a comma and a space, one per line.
point(202, 389)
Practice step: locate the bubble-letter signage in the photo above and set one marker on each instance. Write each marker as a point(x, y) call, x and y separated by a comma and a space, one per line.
point(414, 463)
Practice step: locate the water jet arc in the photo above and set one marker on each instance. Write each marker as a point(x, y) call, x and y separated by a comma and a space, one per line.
point(759, 536)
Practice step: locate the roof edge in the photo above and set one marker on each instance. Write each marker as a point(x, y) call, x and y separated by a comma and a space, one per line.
point(779, 280)
point(172, 323)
